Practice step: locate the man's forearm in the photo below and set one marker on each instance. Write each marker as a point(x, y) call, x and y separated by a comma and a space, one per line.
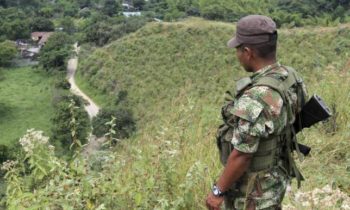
point(236, 165)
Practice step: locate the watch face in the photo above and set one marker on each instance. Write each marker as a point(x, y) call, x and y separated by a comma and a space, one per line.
point(216, 191)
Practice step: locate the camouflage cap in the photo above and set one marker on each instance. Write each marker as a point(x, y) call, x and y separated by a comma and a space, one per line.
point(253, 29)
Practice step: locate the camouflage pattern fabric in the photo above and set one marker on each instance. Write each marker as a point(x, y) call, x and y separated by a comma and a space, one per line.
point(259, 113)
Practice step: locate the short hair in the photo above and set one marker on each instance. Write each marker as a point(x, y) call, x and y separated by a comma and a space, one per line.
point(264, 50)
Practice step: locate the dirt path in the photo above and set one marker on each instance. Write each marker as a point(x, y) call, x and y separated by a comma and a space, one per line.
point(91, 107)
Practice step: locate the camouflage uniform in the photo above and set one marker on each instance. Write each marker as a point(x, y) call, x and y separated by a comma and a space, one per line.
point(258, 113)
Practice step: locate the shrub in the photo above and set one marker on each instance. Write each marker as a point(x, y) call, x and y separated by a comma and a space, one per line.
point(71, 124)
point(55, 53)
point(7, 52)
point(124, 123)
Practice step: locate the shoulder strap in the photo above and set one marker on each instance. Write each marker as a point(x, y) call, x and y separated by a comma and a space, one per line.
point(282, 87)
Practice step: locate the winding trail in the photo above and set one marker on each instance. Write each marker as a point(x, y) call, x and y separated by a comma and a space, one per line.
point(90, 106)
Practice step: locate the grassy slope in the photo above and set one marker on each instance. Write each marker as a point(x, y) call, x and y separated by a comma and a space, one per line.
point(176, 74)
point(25, 102)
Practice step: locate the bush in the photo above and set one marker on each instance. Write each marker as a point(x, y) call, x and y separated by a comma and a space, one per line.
point(7, 52)
point(54, 55)
point(62, 82)
point(124, 123)
point(71, 124)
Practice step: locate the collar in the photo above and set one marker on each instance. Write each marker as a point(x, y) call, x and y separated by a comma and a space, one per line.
point(264, 70)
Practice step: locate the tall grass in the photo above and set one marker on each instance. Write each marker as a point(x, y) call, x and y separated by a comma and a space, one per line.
point(164, 66)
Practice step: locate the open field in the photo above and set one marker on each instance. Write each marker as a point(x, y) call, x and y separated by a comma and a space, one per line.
point(25, 102)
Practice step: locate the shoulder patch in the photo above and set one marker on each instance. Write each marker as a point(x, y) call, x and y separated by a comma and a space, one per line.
point(247, 108)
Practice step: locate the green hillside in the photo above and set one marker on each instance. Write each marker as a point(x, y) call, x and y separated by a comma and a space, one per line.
point(176, 75)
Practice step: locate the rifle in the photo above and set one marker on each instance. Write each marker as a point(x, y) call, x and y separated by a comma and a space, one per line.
point(314, 111)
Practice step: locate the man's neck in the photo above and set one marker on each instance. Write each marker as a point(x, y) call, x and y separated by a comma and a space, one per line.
point(263, 63)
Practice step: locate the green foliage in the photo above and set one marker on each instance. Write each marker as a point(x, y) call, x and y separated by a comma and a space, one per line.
point(124, 123)
point(14, 24)
point(139, 4)
point(290, 13)
point(39, 162)
point(66, 8)
point(111, 7)
point(213, 12)
point(7, 52)
point(42, 24)
point(61, 82)
point(56, 52)
point(84, 3)
point(68, 25)
point(102, 30)
point(46, 12)
point(71, 124)
point(103, 187)
point(84, 13)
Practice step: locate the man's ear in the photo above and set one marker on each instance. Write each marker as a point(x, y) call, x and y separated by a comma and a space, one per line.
point(249, 52)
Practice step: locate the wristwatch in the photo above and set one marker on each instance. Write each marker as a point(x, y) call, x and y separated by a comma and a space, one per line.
point(217, 192)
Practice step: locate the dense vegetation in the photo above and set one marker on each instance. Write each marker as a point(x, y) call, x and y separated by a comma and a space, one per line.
point(7, 52)
point(54, 55)
point(102, 21)
point(175, 75)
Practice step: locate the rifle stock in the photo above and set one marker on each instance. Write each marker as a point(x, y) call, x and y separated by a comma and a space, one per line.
point(314, 111)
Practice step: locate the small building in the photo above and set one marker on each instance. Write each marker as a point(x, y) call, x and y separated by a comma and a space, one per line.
point(41, 37)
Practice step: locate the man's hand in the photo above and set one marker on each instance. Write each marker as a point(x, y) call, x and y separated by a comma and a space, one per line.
point(214, 202)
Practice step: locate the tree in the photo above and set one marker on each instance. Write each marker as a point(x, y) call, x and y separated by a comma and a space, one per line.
point(42, 24)
point(55, 53)
point(16, 29)
point(98, 33)
point(68, 25)
point(111, 7)
point(7, 52)
point(46, 12)
point(139, 4)
point(84, 3)
point(13, 24)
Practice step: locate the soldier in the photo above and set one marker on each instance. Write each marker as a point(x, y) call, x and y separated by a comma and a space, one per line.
point(256, 139)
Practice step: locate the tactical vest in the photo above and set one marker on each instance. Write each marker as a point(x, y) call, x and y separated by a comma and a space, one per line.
point(276, 150)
